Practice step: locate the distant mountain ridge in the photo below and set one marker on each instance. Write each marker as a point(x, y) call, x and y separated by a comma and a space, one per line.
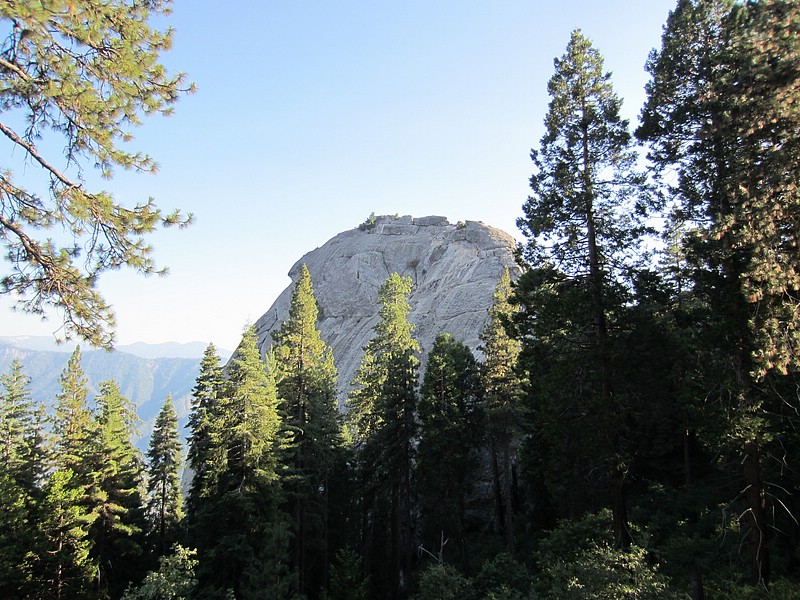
point(141, 349)
point(144, 381)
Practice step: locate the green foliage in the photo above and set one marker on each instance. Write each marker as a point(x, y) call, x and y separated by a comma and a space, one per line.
point(450, 432)
point(393, 338)
point(369, 224)
point(245, 535)
point(164, 499)
point(347, 580)
point(89, 71)
point(502, 387)
point(62, 566)
point(21, 467)
point(782, 589)
point(588, 199)
point(576, 562)
point(204, 450)
point(251, 421)
point(382, 418)
point(20, 429)
point(116, 473)
point(73, 425)
point(721, 112)
point(584, 223)
point(442, 582)
point(502, 577)
point(174, 579)
point(306, 384)
point(603, 572)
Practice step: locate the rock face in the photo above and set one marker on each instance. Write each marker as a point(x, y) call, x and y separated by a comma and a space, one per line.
point(455, 269)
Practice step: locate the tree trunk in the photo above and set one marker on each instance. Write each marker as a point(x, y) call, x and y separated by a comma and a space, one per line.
point(508, 506)
point(619, 506)
point(754, 477)
point(622, 537)
point(499, 518)
point(406, 543)
point(687, 457)
point(395, 552)
point(698, 592)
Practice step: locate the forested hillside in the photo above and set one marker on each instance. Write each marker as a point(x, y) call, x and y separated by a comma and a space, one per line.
point(630, 430)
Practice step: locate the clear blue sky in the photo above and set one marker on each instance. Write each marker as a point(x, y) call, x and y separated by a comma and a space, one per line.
point(310, 115)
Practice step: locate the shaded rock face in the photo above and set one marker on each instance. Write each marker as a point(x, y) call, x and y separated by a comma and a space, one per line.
point(455, 269)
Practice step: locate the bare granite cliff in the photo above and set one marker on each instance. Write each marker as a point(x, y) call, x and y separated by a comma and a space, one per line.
point(455, 269)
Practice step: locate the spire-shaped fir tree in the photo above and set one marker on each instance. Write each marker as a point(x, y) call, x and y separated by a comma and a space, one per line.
point(115, 495)
point(382, 418)
point(205, 455)
point(21, 470)
point(306, 382)
point(64, 565)
point(73, 425)
point(164, 500)
point(502, 403)
point(248, 533)
point(447, 454)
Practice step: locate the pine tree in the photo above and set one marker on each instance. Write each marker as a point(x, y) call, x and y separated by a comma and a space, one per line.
point(115, 495)
point(721, 110)
point(164, 500)
point(447, 453)
point(81, 73)
point(65, 568)
point(62, 565)
point(73, 424)
point(765, 122)
point(583, 223)
point(502, 390)
point(21, 452)
point(382, 417)
point(306, 382)
point(248, 534)
point(21, 471)
point(205, 451)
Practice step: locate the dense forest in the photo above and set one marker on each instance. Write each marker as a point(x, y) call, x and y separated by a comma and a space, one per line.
point(629, 430)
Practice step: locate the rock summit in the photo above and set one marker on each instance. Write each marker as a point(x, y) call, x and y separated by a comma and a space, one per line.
point(455, 269)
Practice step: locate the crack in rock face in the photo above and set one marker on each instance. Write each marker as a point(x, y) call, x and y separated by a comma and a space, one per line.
point(455, 269)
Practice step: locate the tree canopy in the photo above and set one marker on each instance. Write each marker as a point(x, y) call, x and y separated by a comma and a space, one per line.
point(81, 74)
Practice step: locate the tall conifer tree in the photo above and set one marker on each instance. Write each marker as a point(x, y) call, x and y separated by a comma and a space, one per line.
point(21, 470)
point(502, 393)
point(65, 564)
point(164, 500)
point(447, 453)
point(248, 533)
point(205, 453)
point(62, 566)
point(582, 223)
point(73, 425)
point(116, 494)
point(383, 420)
point(306, 380)
point(721, 110)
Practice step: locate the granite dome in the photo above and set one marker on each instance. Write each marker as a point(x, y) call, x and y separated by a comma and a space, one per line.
point(455, 269)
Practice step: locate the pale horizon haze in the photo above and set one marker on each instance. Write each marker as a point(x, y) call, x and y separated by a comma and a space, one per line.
point(310, 115)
